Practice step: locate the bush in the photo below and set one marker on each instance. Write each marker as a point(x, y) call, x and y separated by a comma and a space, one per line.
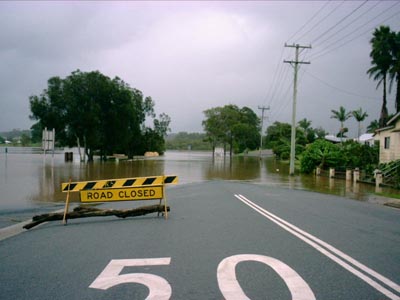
point(321, 154)
point(350, 154)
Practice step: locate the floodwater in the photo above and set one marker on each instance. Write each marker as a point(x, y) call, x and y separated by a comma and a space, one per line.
point(28, 178)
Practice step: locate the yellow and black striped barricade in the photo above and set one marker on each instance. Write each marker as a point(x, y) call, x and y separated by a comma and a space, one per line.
point(123, 189)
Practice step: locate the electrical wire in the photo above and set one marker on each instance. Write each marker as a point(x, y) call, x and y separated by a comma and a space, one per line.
point(346, 25)
point(323, 19)
point(306, 23)
point(336, 88)
point(322, 53)
point(277, 69)
point(340, 21)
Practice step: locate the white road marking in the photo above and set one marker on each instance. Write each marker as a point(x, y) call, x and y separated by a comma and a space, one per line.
point(341, 257)
point(159, 288)
point(231, 289)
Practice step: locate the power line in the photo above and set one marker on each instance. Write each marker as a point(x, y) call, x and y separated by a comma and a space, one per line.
point(323, 53)
point(323, 19)
point(336, 88)
point(340, 21)
point(274, 77)
point(312, 18)
point(346, 26)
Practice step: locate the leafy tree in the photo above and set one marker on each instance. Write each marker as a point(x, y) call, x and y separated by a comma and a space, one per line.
point(102, 114)
point(213, 126)
point(278, 139)
point(342, 116)
point(381, 61)
point(185, 141)
point(25, 140)
point(356, 155)
point(154, 139)
point(360, 116)
point(233, 126)
point(351, 154)
point(309, 132)
point(322, 154)
point(320, 133)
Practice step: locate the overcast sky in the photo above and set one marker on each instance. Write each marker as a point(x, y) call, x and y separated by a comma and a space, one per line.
point(191, 56)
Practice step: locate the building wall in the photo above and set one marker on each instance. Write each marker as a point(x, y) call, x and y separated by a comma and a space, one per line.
point(393, 153)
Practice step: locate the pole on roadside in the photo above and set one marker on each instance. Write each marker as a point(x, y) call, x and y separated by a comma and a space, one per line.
point(262, 123)
point(295, 65)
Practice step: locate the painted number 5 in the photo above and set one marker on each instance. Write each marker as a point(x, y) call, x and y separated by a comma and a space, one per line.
point(231, 289)
point(159, 288)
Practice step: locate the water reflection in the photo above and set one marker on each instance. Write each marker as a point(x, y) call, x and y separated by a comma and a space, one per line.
point(28, 179)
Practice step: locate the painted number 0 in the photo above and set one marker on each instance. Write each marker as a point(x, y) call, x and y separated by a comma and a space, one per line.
point(159, 288)
point(231, 289)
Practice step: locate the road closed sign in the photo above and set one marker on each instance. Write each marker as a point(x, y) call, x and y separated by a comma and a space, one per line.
point(126, 194)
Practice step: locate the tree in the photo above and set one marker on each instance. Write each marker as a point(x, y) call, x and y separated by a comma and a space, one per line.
point(394, 71)
point(278, 139)
point(102, 114)
point(381, 61)
point(360, 116)
point(233, 126)
point(374, 125)
point(342, 116)
point(322, 154)
point(309, 132)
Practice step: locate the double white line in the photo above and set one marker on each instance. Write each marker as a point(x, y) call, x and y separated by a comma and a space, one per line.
point(370, 277)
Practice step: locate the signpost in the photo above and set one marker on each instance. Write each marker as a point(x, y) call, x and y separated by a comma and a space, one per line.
point(129, 194)
point(123, 189)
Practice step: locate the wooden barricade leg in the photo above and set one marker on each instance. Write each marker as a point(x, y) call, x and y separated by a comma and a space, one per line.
point(66, 205)
point(165, 200)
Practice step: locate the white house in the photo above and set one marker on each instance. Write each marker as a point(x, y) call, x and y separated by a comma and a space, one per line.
point(366, 139)
point(389, 140)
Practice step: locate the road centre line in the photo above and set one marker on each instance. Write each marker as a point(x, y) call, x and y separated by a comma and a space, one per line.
point(337, 256)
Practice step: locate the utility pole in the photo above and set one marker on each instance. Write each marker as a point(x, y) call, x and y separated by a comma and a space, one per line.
point(262, 123)
point(295, 64)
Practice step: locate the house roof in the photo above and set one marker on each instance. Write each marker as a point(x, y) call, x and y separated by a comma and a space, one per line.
point(389, 123)
point(366, 137)
point(334, 139)
point(394, 118)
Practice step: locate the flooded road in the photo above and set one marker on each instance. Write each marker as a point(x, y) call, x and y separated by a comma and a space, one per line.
point(30, 179)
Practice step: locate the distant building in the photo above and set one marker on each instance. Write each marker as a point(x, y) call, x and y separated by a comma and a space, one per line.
point(367, 139)
point(389, 140)
point(334, 139)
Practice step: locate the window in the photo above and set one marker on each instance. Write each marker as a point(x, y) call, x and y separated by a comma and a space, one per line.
point(387, 142)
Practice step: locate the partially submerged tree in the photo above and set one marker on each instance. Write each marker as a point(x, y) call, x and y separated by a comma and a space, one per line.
point(230, 125)
point(101, 114)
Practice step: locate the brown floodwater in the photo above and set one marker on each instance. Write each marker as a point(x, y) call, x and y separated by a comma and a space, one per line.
point(28, 178)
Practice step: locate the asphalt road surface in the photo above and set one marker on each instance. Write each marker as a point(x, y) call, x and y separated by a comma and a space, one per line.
point(222, 240)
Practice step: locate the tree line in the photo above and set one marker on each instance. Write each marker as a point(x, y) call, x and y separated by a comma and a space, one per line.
point(100, 114)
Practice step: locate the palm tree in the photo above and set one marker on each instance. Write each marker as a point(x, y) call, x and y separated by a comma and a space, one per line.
point(305, 124)
point(394, 71)
point(360, 116)
point(381, 63)
point(342, 116)
point(374, 125)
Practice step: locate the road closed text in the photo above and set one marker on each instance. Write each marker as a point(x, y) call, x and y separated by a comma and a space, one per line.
point(128, 194)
